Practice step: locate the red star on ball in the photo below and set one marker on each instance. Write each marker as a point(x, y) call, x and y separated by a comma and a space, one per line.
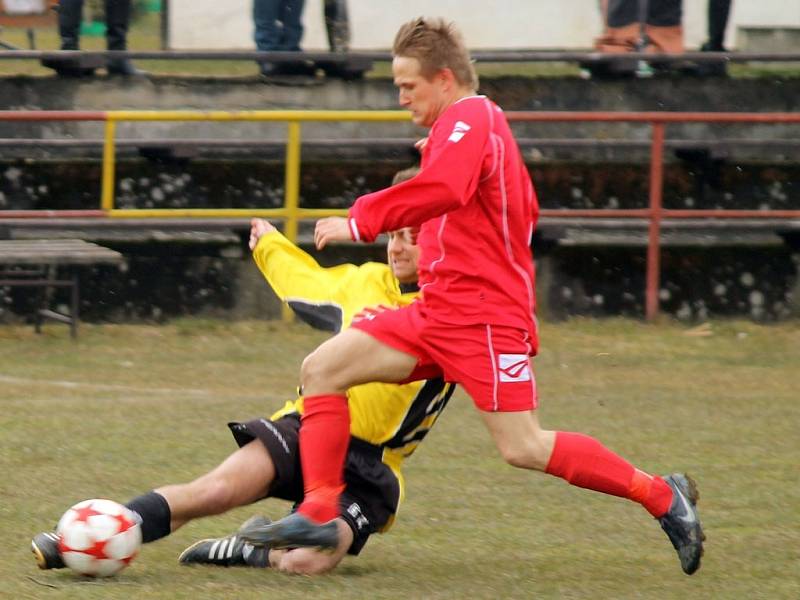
point(83, 514)
point(124, 522)
point(98, 550)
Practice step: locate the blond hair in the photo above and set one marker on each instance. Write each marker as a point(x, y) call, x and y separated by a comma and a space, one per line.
point(436, 44)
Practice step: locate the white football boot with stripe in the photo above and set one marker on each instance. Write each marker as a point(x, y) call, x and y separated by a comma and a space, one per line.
point(228, 551)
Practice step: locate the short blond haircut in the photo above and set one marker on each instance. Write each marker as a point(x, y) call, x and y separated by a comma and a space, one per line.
point(436, 44)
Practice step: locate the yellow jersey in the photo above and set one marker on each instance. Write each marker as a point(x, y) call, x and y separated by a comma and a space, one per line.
point(393, 417)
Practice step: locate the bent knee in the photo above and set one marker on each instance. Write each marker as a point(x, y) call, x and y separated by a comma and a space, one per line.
point(525, 456)
point(313, 371)
point(217, 495)
point(318, 375)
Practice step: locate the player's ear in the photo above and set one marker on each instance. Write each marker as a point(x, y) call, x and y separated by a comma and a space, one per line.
point(447, 78)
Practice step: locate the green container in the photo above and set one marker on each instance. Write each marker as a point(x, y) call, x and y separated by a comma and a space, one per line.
point(152, 6)
point(93, 29)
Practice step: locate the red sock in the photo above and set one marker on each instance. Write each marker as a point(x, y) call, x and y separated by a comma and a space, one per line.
point(324, 437)
point(585, 462)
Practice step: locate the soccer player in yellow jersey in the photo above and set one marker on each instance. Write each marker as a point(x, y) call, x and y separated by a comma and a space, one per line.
point(388, 422)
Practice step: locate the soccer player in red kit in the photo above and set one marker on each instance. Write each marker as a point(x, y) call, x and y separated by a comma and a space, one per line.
point(474, 321)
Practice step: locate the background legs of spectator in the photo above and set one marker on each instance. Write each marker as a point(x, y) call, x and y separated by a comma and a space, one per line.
point(718, 13)
point(662, 32)
point(279, 28)
point(337, 25)
point(268, 32)
point(69, 25)
point(118, 16)
point(70, 13)
point(291, 17)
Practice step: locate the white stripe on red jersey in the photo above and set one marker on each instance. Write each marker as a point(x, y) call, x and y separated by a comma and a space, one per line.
point(476, 208)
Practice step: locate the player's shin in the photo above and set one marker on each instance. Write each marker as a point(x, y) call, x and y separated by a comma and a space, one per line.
point(154, 513)
point(585, 462)
point(324, 437)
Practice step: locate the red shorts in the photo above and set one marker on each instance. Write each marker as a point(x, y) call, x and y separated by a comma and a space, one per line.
point(491, 362)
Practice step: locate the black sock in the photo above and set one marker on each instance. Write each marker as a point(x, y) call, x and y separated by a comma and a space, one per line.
point(154, 515)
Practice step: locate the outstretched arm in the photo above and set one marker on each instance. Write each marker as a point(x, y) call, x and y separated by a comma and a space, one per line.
point(325, 298)
point(451, 170)
point(291, 271)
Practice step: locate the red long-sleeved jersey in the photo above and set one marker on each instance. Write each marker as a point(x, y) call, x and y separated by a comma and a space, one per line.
point(476, 207)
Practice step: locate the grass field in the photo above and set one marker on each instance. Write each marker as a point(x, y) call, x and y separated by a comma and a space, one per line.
point(127, 408)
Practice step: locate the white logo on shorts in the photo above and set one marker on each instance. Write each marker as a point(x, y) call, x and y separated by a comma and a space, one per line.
point(355, 511)
point(514, 367)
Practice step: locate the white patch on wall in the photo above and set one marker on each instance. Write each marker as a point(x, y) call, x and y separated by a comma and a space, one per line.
point(515, 24)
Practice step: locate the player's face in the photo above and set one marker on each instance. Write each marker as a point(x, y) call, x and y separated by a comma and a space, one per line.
point(403, 254)
point(426, 99)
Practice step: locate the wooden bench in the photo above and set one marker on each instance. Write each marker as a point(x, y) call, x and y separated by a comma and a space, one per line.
point(35, 263)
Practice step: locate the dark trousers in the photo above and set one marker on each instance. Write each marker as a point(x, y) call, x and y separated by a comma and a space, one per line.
point(337, 25)
point(661, 13)
point(718, 12)
point(624, 20)
point(118, 14)
point(278, 25)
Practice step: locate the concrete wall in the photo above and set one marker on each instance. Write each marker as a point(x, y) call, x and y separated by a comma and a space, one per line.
point(571, 24)
point(512, 93)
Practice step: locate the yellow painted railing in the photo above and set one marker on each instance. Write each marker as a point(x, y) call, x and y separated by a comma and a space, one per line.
point(290, 213)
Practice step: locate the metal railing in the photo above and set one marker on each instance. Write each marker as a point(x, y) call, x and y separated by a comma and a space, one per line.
point(291, 212)
point(584, 57)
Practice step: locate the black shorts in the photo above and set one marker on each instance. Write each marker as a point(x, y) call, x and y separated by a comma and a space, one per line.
point(371, 494)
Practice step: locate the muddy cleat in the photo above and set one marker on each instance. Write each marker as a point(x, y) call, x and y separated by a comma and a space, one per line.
point(293, 531)
point(228, 551)
point(681, 522)
point(45, 549)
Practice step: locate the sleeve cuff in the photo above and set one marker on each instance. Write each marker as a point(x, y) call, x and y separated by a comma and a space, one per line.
point(354, 233)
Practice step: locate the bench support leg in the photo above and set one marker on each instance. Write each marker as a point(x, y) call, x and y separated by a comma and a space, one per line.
point(44, 299)
point(75, 302)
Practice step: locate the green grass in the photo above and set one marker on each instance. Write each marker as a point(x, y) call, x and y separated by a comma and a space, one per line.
point(130, 407)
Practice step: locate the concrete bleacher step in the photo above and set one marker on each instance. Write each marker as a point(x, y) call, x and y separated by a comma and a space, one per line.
point(231, 232)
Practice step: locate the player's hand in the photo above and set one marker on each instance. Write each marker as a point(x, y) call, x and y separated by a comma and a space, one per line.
point(258, 227)
point(331, 229)
point(420, 144)
point(369, 312)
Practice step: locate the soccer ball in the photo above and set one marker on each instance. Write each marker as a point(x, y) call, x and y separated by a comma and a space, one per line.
point(98, 537)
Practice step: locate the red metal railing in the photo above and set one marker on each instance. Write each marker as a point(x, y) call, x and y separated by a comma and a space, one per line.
point(655, 213)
